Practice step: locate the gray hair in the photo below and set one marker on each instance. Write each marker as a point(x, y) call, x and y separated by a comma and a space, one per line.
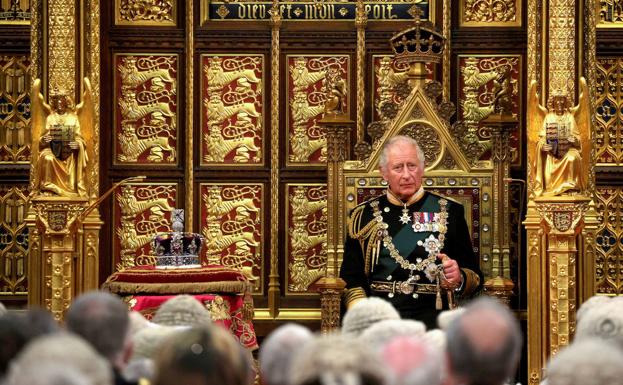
point(400, 139)
point(603, 321)
point(50, 374)
point(337, 359)
point(278, 350)
point(62, 350)
point(589, 362)
point(183, 310)
point(140, 368)
point(484, 343)
point(383, 332)
point(102, 320)
point(366, 312)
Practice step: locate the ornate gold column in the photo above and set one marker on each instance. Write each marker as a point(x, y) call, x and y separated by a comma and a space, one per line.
point(331, 286)
point(561, 220)
point(64, 226)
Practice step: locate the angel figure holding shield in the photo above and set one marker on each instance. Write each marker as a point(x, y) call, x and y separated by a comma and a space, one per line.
point(62, 143)
point(559, 143)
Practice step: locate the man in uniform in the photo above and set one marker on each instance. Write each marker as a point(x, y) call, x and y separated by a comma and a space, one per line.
point(409, 246)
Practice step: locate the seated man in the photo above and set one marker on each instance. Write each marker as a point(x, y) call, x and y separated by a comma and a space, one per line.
point(408, 244)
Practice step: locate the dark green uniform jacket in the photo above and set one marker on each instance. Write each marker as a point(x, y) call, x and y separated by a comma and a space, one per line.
point(363, 264)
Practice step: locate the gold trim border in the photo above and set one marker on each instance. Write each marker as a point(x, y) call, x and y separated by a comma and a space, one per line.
point(494, 24)
point(151, 23)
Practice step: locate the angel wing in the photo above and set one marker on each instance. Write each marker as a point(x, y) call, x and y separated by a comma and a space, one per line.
point(39, 111)
point(582, 115)
point(86, 116)
point(536, 115)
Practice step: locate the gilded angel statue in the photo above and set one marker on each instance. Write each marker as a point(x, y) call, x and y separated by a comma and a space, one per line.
point(559, 143)
point(62, 143)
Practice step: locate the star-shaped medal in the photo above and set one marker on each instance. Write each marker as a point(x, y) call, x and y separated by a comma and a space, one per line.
point(405, 218)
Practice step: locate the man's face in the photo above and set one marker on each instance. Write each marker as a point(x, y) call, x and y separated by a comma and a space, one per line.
point(403, 171)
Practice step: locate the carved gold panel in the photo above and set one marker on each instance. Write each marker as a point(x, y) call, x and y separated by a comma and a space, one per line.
point(609, 241)
point(156, 13)
point(387, 79)
point(13, 239)
point(609, 107)
point(141, 210)
point(312, 81)
point(232, 114)
point(306, 248)
point(146, 118)
point(490, 13)
point(481, 79)
point(231, 221)
point(610, 13)
point(14, 109)
point(15, 11)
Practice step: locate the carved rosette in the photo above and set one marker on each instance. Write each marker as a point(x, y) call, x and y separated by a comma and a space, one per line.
point(609, 241)
point(14, 235)
point(310, 80)
point(609, 101)
point(141, 210)
point(307, 235)
point(481, 81)
point(232, 117)
point(146, 119)
point(427, 135)
point(14, 109)
point(388, 76)
point(231, 221)
point(145, 12)
point(490, 13)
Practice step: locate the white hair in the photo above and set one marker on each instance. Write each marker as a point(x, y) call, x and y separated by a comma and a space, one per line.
point(63, 350)
point(413, 361)
point(336, 359)
point(603, 320)
point(589, 362)
point(278, 350)
point(383, 332)
point(396, 140)
point(49, 374)
point(447, 316)
point(366, 312)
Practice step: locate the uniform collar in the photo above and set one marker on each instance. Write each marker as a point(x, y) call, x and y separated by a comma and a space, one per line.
point(393, 199)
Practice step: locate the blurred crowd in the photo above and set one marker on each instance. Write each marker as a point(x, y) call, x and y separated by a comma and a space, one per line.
point(101, 343)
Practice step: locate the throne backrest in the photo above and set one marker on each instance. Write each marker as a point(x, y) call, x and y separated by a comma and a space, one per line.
point(448, 171)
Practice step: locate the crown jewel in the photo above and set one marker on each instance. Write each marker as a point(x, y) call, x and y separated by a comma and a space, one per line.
point(177, 249)
point(420, 43)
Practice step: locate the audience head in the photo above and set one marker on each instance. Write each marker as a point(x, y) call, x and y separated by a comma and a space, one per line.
point(445, 318)
point(588, 362)
point(51, 374)
point(137, 322)
point(147, 342)
point(182, 310)
point(102, 320)
point(16, 330)
point(277, 351)
point(337, 359)
point(483, 343)
point(437, 338)
point(382, 332)
point(366, 312)
point(203, 356)
point(591, 303)
point(413, 361)
point(62, 350)
point(603, 320)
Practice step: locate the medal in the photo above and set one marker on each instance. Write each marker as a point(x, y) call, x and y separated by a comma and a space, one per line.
point(431, 244)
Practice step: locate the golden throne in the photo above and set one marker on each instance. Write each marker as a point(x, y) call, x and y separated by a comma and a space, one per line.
point(452, 169)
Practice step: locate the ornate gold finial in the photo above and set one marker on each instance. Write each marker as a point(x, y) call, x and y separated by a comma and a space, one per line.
point(421, 43)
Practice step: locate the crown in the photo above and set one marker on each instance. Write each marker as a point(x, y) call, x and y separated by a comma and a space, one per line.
point(420, 43)
point(177, 249)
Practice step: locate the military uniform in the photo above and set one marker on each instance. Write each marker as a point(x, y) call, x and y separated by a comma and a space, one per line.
point(387, 247)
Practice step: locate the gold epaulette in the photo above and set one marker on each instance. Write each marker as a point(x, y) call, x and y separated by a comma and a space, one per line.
point(356, 229)
point(445, 197)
